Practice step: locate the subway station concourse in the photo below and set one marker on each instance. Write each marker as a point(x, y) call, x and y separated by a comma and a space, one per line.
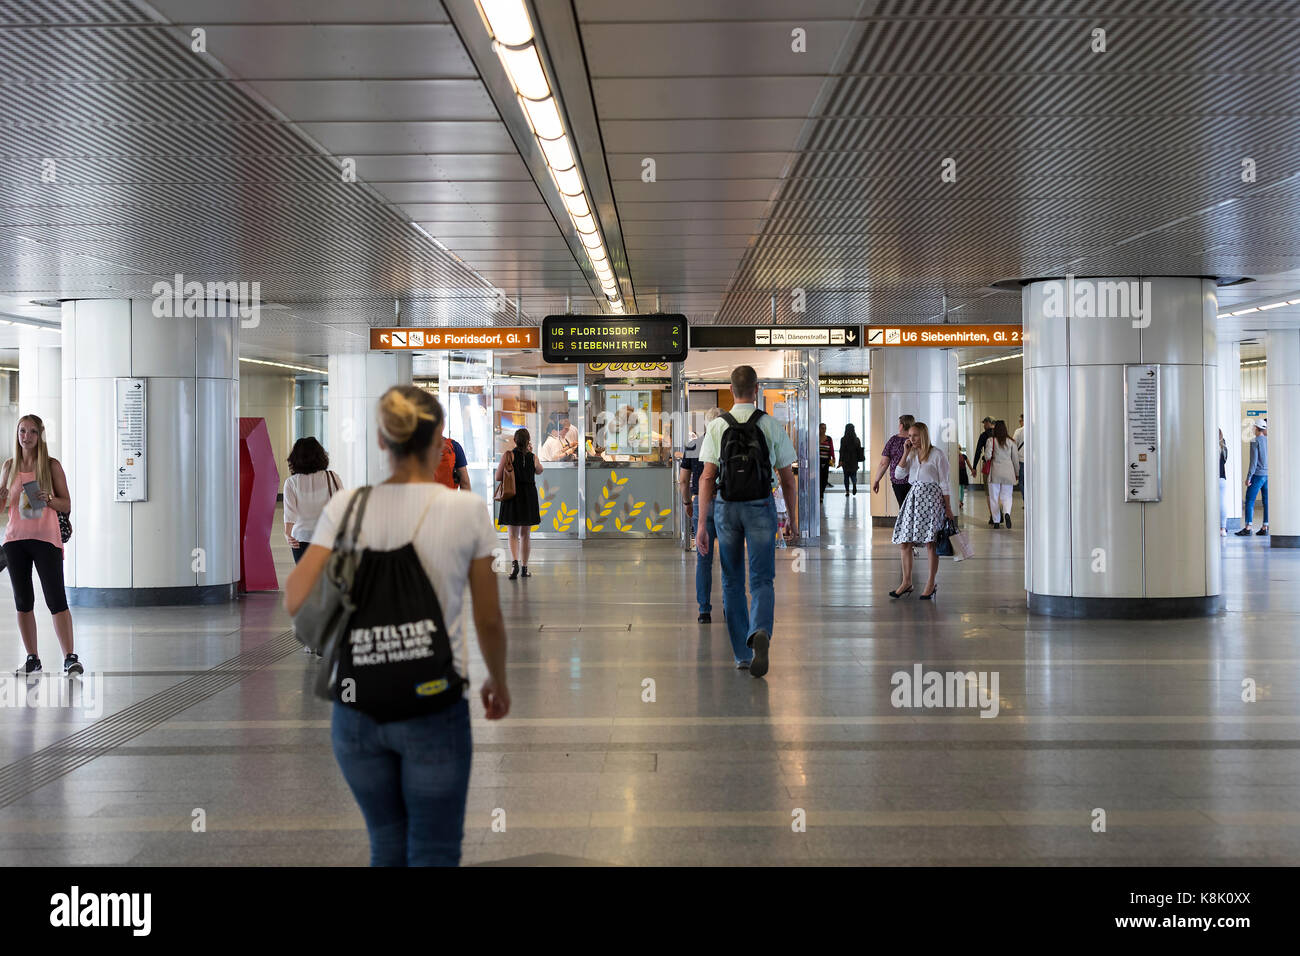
point(230, 225)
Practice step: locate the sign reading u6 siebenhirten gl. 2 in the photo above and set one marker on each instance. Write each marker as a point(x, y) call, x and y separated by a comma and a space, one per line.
point(614, 338)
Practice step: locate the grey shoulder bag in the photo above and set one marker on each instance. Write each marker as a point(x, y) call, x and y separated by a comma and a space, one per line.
point(324, 616)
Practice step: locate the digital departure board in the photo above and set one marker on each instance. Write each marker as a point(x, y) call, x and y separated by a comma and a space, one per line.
point(614, 338)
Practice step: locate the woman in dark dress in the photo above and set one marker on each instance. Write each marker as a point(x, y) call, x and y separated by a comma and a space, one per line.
point(522, 511)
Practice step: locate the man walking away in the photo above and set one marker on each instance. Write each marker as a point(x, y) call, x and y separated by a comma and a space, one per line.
point(742, 450)
point(1257, 479)
point(891, 455)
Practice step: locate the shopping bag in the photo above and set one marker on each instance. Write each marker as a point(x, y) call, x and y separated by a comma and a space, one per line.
point(961, 546)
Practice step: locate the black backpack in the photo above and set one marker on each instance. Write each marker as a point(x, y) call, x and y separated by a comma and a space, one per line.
point(395, 660)
point(744, 466)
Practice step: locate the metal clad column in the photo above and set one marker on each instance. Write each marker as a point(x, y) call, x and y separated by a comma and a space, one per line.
point(356, 381)
point(40, 385)
point(1089, 551)
point(144, 552)
point(1283, 440)
point(909, 381)
point(1228, 411)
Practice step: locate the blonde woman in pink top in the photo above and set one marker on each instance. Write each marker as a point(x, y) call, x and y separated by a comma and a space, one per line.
point(33, 488)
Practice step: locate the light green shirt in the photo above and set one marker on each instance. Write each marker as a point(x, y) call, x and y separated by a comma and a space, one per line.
point(779, 447)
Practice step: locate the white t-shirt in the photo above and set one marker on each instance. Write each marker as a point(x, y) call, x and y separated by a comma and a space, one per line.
point(934, 468)
point(304, 499)
point(1019, 438)
point(456, 530)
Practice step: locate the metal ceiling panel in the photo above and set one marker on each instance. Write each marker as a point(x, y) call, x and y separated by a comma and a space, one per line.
point(334, 101)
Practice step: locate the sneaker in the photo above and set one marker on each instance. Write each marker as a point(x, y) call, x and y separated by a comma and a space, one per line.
point(992, 523)
point(742, 665)
point(31, 666)
point(71, 666)
point(1244, 532)
point(1007, 519)
point(705, 618)
point(1261, 532)
point(759, 641)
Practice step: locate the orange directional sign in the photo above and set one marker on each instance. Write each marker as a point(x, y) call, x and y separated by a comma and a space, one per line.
point(397, 340)
point(941, 336)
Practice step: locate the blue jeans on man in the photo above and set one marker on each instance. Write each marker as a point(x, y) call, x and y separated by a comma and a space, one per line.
point(747, 526)
point(704, 562)
point(1258, 485)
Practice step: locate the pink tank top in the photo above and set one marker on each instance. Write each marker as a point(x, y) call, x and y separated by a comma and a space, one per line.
point(24, 524)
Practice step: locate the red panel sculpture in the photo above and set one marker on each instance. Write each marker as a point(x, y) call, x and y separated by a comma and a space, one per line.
point(259, 484)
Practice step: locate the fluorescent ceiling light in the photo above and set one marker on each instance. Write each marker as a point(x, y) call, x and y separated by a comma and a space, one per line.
point(514, 42)
point(1273, 305)
point(545, 118)
point(1245, 311)
point(1001, 358)
point(568, 182)
point(558, 154)
point(299, 368)
point(508, 20)
point(524, 67)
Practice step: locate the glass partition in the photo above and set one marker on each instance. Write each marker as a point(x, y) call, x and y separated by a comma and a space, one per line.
point(527, 393)
point(464, 387)
point(630, 481)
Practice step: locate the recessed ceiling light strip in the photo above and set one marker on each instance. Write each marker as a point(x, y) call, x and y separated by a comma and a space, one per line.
point(515, 44)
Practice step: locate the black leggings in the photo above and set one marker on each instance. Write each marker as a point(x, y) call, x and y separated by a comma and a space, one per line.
point(21, 555)
point(850, 479)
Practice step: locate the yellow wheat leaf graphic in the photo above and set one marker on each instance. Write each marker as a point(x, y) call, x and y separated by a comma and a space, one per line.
point(666, 511)
point(622, 481)
point(613, 476)
point(604, 491)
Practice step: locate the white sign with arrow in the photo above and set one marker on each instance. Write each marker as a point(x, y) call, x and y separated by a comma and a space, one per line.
point(1142, 433)
point(130, 470)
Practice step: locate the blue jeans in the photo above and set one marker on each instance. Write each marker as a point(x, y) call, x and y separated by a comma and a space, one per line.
point(704, 562)
point(747, 526)
point(411, 778)
point(1258, 485)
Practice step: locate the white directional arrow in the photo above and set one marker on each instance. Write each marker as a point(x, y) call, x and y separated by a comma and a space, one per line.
point(851, 336)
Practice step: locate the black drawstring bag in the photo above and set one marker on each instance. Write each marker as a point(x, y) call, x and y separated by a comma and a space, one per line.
point(395, 660)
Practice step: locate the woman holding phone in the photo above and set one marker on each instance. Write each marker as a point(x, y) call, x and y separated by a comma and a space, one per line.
point(34, 489)
point(926, 508)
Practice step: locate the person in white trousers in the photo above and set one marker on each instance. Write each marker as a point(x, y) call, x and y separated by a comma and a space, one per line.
point(1003, 475)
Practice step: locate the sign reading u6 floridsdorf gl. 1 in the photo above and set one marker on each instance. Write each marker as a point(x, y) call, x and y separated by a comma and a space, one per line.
point(614, 338)
point(397, 340)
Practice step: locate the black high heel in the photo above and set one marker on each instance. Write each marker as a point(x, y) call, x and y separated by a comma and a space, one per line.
point(899, 594)
point(926, 597)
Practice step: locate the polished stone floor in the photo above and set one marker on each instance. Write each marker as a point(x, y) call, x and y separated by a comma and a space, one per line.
point(206, 719)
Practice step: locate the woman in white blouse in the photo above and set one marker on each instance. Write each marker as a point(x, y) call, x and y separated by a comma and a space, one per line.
point(308, 487)
point(926, 508)
point(1003, 474)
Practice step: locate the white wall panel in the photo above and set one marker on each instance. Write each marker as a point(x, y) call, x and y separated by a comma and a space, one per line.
point(1100, 516)
point(162, 528)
